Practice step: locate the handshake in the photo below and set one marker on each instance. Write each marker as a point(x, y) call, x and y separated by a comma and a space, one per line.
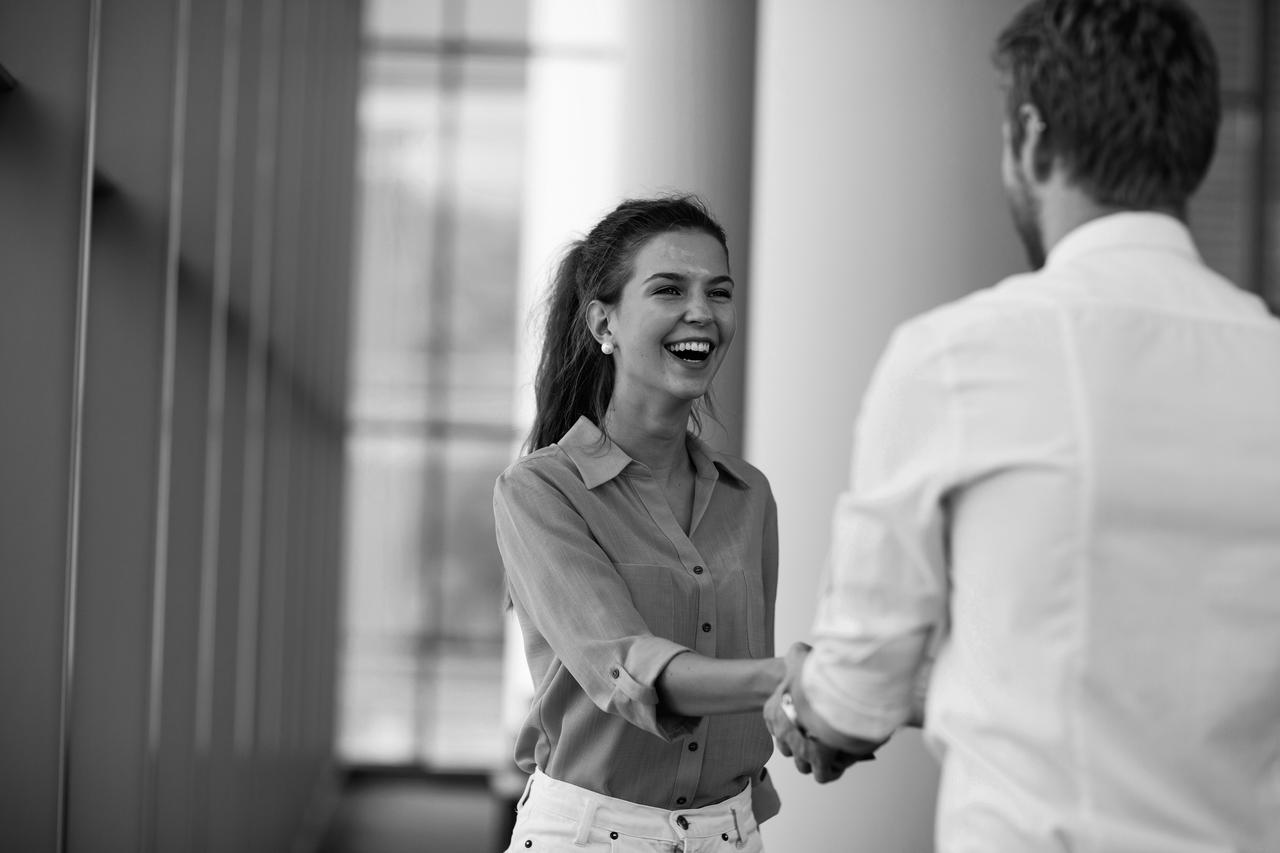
point(801, 735)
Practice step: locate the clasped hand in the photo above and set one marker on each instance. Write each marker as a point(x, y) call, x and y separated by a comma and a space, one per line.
point(811, 755)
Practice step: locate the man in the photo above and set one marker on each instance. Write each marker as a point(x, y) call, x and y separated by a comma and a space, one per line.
point(1064, 514)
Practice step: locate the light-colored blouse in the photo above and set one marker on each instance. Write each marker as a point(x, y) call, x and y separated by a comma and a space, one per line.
point(609, 588)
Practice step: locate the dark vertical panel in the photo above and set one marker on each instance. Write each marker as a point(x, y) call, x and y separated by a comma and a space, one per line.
point(1223, 212)
point(1260, 240)
point(125, 358)
point(179, 817)
point(339, 164)
point(224, 758)
point(45, 46)
point(213, 260)
point(280, 425)
point(1270, 25)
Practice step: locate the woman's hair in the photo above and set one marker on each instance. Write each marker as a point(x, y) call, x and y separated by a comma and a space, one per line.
point(574, 378)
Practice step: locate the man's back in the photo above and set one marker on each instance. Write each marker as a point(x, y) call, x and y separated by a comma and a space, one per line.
point(1112, 676)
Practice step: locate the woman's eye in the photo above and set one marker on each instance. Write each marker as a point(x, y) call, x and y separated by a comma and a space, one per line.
point(721, 294)
point(668, 290)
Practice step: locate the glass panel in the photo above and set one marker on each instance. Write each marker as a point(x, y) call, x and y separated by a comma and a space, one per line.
point(432, 395)
point(399, 174)
point(488, 171)
point(405, 19)
point(498, 20)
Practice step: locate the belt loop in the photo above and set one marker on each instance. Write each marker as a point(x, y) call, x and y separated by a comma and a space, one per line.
point(588, 820)
point(524, 798)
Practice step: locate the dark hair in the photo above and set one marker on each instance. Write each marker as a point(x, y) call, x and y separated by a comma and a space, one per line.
point(1128, 91)
point(574, 378)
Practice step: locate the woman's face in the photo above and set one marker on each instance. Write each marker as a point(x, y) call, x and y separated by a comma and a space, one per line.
point(675, 318)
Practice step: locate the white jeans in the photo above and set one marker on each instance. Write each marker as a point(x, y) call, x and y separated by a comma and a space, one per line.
point(556, 817)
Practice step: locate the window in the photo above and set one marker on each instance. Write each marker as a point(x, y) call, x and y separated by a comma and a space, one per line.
point(433, 398)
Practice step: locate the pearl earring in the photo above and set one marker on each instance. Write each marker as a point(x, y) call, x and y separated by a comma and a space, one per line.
point(606, 347)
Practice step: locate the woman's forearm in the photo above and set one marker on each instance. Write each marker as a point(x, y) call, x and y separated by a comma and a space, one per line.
point(694, 685)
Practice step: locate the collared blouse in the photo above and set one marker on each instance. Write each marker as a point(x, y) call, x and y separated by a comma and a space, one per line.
point(608, 588)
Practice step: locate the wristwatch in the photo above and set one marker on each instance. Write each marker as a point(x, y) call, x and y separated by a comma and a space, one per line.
point(789, 711)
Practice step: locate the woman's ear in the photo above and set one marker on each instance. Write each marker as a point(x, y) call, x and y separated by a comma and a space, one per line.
point(598, 321)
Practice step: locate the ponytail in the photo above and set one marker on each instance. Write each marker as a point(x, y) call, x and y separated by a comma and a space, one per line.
point(574, 378)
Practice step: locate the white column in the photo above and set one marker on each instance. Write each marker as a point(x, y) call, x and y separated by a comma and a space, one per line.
point(877, 196)
point(686, 114)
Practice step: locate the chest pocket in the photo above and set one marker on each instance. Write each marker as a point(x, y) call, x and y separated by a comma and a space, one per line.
point(653, 592)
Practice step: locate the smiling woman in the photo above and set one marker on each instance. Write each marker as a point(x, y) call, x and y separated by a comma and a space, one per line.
point(642, 564)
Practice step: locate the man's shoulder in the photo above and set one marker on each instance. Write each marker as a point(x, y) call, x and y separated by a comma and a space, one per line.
point(1013, 302)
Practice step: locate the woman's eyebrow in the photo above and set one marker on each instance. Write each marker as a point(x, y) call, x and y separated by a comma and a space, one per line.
point(679, 276)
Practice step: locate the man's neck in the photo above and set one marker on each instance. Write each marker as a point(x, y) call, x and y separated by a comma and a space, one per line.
point(1064, 207)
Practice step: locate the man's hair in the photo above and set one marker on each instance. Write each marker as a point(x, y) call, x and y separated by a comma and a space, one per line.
point(1127, 90)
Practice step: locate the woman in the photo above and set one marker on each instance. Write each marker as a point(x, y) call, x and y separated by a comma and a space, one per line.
point(641, 563)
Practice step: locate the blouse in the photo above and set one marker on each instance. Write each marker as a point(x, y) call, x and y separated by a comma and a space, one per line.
point(608, 588)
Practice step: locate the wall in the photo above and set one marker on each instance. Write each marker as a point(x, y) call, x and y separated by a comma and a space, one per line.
point(877, 195)
point(175, 182)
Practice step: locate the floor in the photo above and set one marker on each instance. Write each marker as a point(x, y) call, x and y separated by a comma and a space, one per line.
point(415, 813)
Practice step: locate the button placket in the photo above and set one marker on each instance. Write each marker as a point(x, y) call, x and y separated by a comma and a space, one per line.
point(689, 768)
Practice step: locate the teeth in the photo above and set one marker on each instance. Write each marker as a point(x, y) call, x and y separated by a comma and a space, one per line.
point(690, 346)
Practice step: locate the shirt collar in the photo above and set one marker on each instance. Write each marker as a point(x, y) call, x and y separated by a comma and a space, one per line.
point(1126, 229)
point(599, 460)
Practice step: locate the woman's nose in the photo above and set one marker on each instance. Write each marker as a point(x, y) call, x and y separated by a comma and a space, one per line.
point(697, 311)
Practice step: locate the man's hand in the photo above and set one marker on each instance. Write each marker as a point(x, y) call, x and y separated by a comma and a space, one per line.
point(810, 755)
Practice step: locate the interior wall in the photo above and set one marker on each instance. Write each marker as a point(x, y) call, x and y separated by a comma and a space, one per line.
point(42, 152)
point(175, 186)
point(877, 196)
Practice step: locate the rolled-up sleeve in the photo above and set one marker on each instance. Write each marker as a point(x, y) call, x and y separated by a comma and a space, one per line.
point(565, 584)
point(885, 599)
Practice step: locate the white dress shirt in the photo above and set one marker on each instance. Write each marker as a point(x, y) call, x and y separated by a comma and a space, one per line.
point(1066, 496)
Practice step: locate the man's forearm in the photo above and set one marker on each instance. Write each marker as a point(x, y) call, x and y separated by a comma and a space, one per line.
point(822, 731)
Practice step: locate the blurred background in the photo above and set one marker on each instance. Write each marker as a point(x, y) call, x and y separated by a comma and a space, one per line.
point(269, 272)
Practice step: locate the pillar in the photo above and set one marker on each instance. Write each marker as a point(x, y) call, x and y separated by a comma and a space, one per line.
point(877, 195)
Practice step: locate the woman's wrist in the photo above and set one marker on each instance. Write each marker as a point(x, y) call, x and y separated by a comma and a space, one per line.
point(772, 672)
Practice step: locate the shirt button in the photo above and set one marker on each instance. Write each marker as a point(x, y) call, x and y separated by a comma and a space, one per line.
point(528, 844)
point(697, 570)
point(680, 801)
point(706, 626)
point(683, 822)
point(693, 747)
point(614, 672)
point(614, 836)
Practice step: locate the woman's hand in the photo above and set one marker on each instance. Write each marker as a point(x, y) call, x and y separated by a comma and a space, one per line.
point(826, 754)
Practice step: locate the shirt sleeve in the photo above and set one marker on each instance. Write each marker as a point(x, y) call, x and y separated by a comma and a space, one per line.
point(885, 602)
point(569, 589)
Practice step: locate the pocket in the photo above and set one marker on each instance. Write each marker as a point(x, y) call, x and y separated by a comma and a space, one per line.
point(653, 593)
point(538, 831)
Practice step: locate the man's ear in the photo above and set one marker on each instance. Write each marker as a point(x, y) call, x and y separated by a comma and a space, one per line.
point(598, 321)
point(1033, 128)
